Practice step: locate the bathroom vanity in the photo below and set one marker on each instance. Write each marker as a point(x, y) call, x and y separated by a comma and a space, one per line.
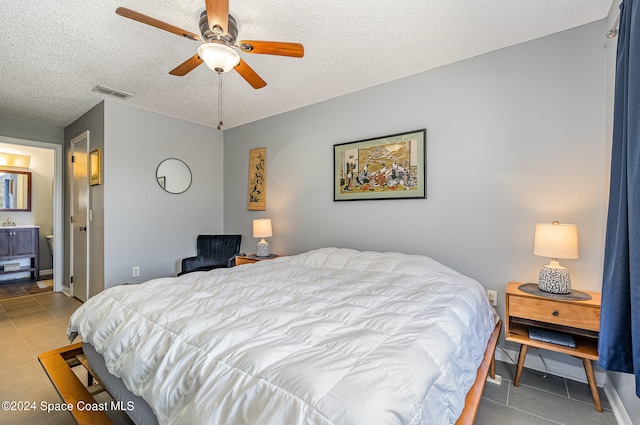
point(17, 243)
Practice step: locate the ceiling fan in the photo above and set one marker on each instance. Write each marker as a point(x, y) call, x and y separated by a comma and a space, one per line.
point(219, 31)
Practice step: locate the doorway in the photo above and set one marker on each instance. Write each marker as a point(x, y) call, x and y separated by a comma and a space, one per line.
point(79, 226)
point(57, 224)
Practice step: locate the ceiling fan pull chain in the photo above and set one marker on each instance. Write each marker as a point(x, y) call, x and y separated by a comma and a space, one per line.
point(219, 101)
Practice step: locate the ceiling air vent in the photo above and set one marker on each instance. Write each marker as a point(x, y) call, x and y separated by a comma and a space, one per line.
point(112, 92)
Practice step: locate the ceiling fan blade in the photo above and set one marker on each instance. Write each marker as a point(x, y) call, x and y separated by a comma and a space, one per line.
point(218, 16)
point(136, 16)
point(250, 75)
point(278, 48)
point(187, 66)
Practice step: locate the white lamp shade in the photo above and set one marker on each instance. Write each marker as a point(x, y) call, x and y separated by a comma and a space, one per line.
point(555, 240)
point(219, 57)
point(262, 228)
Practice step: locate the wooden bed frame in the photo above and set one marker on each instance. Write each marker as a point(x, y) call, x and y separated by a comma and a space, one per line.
point(58, 363)
point(488, 365)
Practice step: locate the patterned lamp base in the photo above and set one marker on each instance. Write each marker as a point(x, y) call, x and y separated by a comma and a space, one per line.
point(263, 249)
point(554, 280)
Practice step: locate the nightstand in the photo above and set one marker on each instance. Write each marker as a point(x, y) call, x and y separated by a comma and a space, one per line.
point(252, 258)
point(580, 319)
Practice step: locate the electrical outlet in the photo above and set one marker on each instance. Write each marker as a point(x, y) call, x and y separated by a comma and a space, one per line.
point(136, 271)
point(493, 297)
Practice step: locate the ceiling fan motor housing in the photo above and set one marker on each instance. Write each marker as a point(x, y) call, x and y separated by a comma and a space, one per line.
point(207, 34)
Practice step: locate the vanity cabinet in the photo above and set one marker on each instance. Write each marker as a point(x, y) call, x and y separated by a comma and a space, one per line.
point(17, 243)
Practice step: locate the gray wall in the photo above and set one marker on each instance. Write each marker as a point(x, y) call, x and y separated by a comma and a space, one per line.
point(143, 225)
point(31, 130)
point(94, 122)
point(514, 137)
point(135, 222)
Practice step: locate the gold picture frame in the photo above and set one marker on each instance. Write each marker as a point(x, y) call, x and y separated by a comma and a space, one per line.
point(388, 167)
point(257, 199)
point(95, 169)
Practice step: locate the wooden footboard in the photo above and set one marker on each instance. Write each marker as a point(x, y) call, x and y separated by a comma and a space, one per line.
point(488, 366)
point(58, 363)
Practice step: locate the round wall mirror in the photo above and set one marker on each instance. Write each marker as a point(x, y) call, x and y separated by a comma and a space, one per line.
point(173, 175)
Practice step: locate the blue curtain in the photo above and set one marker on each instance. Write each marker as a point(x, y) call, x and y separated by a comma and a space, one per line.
point(619, 345)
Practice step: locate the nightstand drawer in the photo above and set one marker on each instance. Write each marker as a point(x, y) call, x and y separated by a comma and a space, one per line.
point(550, 311)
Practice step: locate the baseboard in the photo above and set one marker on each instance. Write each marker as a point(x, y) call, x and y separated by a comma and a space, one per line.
point(557, 364)
point(616, 405)
point(46, 274)
point(569, 371)
point(496, 381)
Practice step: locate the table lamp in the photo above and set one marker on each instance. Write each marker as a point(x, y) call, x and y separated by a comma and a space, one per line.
point(555, 240)
point(262, 229)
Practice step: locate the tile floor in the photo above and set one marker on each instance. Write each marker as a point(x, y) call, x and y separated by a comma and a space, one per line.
point(21, 289)
point(32, 324)
point(540, 399)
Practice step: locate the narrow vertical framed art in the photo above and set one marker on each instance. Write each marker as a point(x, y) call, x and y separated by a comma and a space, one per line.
point(257, 180)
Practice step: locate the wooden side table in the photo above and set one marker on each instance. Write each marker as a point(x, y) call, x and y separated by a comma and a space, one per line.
point(580, 319)
point(252, 258)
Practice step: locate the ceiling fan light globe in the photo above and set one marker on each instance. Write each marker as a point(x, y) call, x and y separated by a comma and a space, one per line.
point(219, 57)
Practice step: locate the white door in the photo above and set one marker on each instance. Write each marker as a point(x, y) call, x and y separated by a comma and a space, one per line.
point(79, 212)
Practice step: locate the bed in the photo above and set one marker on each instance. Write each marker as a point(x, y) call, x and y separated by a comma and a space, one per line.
point(331, 336)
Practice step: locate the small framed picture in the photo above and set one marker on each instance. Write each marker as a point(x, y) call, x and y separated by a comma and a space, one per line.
point(95, 172)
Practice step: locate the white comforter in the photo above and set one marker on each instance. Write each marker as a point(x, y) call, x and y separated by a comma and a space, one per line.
point(332, 336)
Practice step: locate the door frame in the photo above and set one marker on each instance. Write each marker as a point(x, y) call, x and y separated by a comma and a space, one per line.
point(83, 135)
point(58, 201)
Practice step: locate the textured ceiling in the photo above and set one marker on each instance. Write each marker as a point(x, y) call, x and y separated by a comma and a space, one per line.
point(54, 52)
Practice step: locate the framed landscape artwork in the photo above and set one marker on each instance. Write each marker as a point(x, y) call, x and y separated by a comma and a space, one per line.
point(389, 167)
point(258, 179)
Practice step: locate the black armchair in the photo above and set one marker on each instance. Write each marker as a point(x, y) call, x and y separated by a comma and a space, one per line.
point(213, 252)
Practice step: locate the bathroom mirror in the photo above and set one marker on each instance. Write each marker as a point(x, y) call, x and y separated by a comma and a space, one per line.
point(173, 175)
point(15, 190)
